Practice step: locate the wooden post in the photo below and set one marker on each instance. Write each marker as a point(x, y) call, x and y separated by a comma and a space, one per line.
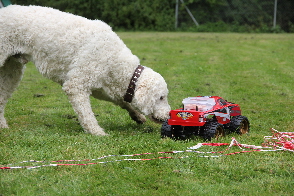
point(275, 14)
point(191, 15)
point(176, 14)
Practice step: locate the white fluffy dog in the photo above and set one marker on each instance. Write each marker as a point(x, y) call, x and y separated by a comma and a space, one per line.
point(84, 56)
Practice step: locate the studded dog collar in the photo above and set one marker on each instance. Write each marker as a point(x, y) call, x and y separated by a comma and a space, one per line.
point(131, 89)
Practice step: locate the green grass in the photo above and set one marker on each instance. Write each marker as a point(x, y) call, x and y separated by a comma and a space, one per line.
point(253, 70)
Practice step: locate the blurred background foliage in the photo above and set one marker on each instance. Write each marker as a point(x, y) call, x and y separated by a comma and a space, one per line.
point(159, 15)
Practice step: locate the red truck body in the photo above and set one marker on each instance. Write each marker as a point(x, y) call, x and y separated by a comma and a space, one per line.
point(208, 116)
point(221, 109)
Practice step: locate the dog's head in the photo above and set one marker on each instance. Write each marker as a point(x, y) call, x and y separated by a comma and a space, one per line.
point(151, 95)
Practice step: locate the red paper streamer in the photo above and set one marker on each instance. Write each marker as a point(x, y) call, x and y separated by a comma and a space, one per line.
point(278, 141)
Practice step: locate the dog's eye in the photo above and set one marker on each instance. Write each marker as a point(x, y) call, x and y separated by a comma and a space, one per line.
point(161, 98)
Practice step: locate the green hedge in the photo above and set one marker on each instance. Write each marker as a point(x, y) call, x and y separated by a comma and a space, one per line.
point(159, 15)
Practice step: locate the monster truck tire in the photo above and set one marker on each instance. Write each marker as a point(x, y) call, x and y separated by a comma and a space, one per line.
point(172, 131)
point(213, 129)
point(166, 130)
point(240, 125)
point(178, 132)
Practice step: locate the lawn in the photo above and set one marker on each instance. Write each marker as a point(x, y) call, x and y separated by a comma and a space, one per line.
point(254, 70)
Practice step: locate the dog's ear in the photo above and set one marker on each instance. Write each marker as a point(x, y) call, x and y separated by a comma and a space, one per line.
point(150, 96)
point(144, 97)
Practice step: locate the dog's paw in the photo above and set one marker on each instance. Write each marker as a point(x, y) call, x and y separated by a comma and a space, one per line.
point(98, 132)
point(3, 125)
point(101, 134)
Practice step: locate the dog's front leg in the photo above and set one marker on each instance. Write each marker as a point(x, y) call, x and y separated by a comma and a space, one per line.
point(81, 105)
point(134, 114)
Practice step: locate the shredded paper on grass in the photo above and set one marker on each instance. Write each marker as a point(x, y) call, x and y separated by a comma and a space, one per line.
point(279, 141)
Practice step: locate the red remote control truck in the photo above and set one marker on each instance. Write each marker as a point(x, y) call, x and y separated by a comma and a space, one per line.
point(207, 116)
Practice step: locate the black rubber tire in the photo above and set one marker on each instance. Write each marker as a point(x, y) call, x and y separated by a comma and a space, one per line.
point(240, 125)
point(178, 132)
point(172, 131)
point(166, 130)
point(213, 129)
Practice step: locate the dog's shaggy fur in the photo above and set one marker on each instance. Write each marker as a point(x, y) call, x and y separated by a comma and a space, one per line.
point(84, 56)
